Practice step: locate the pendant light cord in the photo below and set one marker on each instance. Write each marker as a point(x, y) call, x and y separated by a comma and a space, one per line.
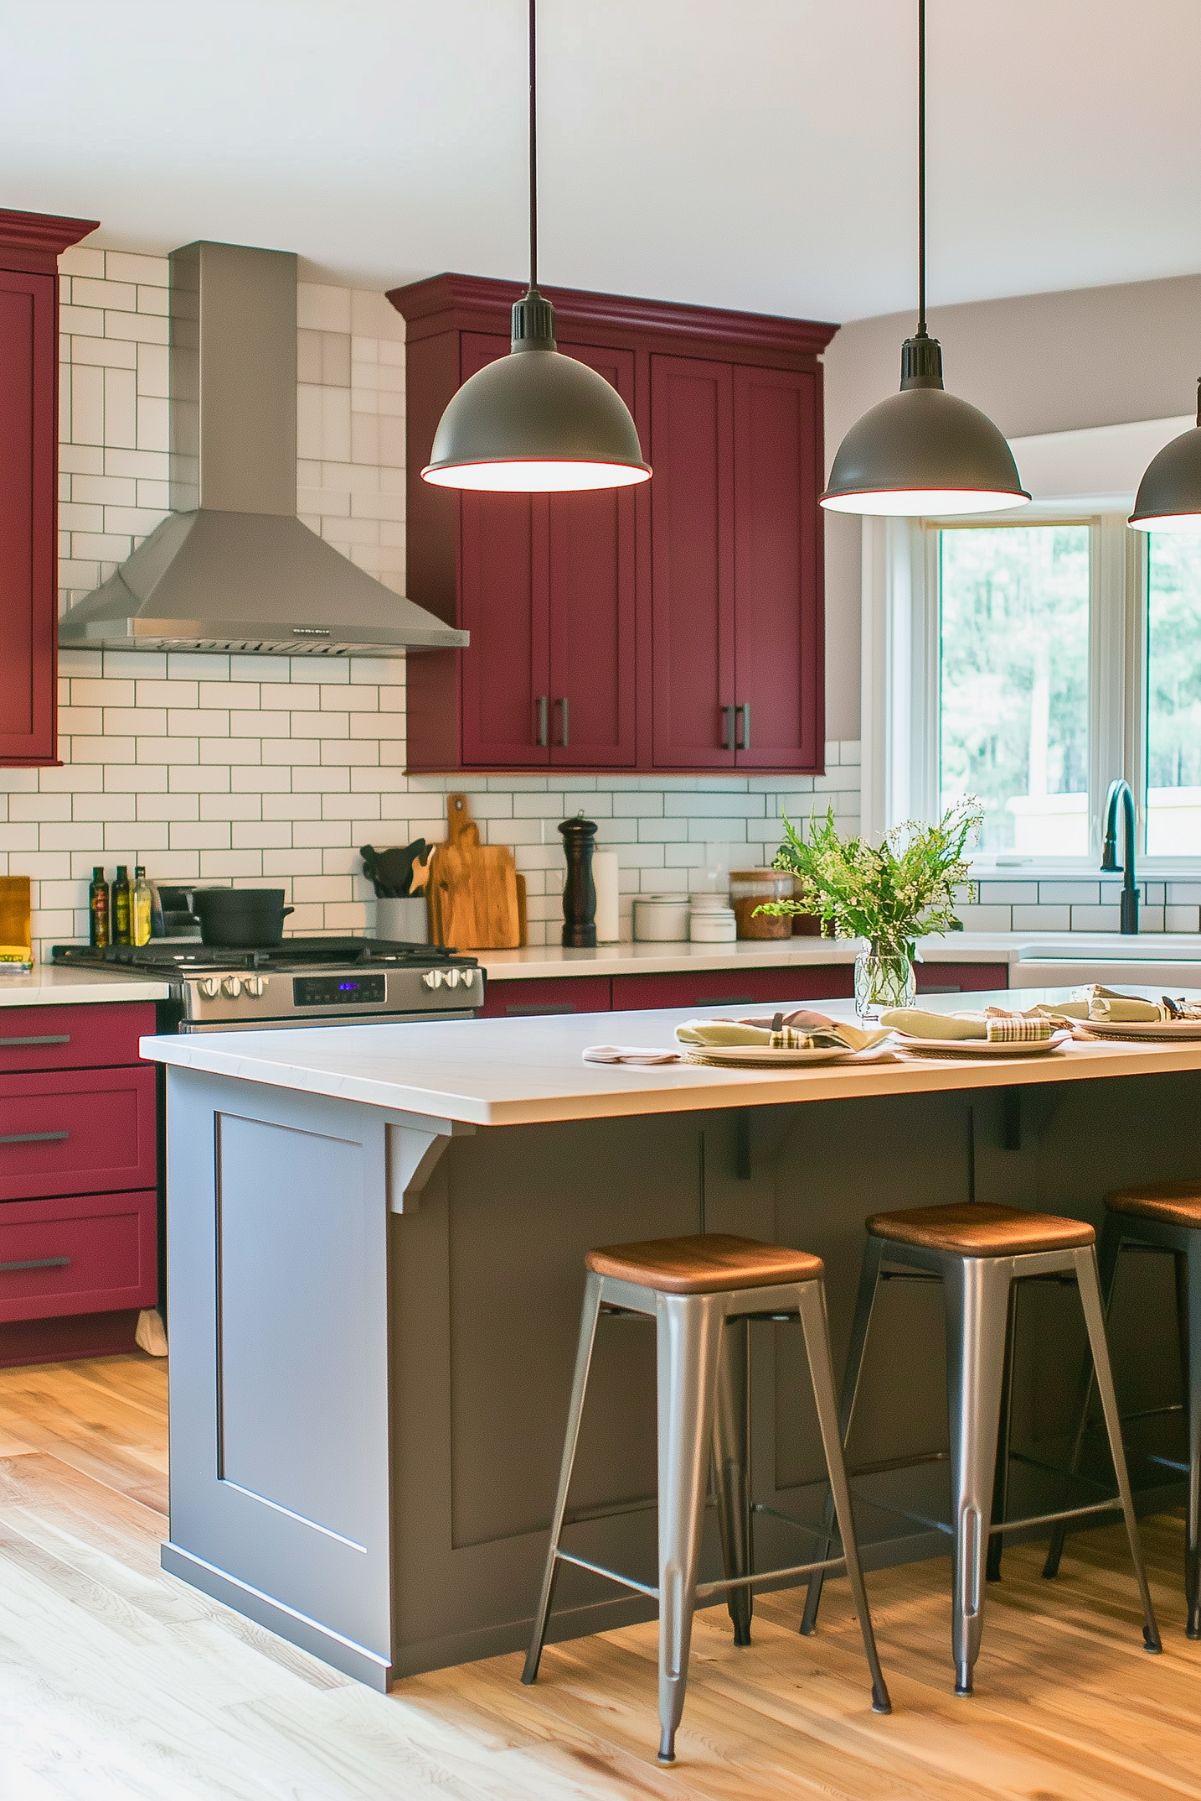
point(534, 144)
point(921, 166)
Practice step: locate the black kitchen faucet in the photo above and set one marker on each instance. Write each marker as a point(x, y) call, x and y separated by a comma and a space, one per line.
point(1121, 791)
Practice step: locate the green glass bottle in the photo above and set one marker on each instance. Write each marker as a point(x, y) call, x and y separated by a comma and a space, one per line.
point(122, 907)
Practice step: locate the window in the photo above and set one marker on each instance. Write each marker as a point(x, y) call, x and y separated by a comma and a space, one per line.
point(1173, 694)
point(1030, 665)
point(1013, 658)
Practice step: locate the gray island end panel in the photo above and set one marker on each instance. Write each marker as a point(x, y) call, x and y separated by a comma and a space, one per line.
point(374, 1292)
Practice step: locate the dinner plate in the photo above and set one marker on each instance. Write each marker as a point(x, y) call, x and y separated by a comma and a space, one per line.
point(979, 1047)
point(1160, 1031)
point(766, 1056)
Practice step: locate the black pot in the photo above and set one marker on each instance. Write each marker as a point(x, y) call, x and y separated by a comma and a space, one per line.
point(242, 919)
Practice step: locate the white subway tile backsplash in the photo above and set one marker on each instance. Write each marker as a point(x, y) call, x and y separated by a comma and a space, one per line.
point(239, 768)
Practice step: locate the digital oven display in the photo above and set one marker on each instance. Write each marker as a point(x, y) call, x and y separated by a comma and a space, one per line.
point(336, 991)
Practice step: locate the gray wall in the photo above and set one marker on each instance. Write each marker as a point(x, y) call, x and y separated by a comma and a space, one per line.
point(1038, 363)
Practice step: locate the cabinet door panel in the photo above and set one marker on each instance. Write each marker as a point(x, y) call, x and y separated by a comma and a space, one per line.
point(777, 578)
point(28, 601)
point(591, 602)
point(692, 555)
point(503, 602)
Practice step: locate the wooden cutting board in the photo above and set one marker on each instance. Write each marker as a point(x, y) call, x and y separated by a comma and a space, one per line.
point(473, 887)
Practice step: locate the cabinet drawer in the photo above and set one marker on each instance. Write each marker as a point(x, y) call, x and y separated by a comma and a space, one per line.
point(961, 978)
point(78, 1254)
point(734, 987)
point(86, 1131)
point(87, 1037)
point(553, 994)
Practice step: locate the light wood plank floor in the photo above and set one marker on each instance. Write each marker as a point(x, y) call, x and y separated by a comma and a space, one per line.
point(117, 1681)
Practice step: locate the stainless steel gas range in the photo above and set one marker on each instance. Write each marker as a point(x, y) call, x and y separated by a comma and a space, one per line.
point(300, 982)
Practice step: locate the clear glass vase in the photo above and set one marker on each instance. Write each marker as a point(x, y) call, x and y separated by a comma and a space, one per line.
point(884, 977)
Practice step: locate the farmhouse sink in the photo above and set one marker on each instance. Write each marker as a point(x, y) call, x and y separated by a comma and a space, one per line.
point(1170, 959)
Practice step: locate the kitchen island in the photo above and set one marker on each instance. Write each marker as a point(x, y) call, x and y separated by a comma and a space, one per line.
point(376, 1238)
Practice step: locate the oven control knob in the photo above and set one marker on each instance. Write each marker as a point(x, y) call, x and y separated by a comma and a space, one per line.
point(232, 986)
point(255, 985)
point(209, 987)
point(452, 978)
point(433, 978)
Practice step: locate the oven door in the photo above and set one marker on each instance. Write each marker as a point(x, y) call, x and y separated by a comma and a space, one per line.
point(301, 1024)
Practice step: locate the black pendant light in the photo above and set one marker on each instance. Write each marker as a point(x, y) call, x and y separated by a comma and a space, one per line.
point(535, 421)
point(1169, 495)
point(923, 451)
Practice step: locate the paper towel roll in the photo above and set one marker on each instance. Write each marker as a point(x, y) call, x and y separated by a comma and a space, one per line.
point(604, 876)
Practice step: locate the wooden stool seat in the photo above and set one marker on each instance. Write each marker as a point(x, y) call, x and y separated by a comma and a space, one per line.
point(1176, 1203)
point(706, 1263)
point(981, 1229)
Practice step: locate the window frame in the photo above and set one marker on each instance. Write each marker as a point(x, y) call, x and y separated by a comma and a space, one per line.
point(900, 678)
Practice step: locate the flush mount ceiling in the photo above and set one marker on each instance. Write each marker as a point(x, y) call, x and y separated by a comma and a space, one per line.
point(744, 160)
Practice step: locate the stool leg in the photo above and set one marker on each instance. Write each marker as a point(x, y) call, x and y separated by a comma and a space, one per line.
point(589, 1314)
point(1000, 1492)
point(1094, 1319)
point(688, 1347)
point(1188, 1289)
point(731, 1459)
point(977, 1299)
point(1108, 1248)
point(869, 1276)
point(811, 1301)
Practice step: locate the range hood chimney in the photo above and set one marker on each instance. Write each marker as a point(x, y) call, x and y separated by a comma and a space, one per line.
point(232, 568)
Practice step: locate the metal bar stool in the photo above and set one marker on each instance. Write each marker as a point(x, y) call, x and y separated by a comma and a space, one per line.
point(1163, 1217)
point(702, 1293)
point(979, 1251)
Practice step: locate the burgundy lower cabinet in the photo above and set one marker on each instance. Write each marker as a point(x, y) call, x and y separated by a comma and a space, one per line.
point(961, 978)
point(672, 626)
point(734, 987)
point(78, 1180)
point(549, 994)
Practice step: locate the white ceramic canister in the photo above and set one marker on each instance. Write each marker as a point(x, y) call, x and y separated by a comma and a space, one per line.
point(712, 925)
point(661, 918)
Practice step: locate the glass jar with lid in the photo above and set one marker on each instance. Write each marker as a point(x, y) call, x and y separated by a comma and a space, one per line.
point(749, 889)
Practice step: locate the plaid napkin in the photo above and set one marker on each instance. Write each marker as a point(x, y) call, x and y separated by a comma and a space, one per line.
point(995, 1025)
point(1093, 1002)
point(1015, 1028)
point(797, 1031)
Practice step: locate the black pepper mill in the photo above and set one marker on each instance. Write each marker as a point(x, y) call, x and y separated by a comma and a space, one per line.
point(579, 890)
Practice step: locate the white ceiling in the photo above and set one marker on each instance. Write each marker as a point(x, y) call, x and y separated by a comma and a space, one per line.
point(755, 154)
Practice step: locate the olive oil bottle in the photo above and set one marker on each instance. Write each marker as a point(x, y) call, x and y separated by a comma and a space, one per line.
point(143, 906)
point(122, 907)
point(99, 917)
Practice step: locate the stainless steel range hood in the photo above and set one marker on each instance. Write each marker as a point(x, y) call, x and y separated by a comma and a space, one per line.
point(233, 568)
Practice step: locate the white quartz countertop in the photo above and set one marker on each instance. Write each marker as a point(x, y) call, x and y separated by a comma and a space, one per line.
point(531, 1071)
point(50, 986)
point(628, 958)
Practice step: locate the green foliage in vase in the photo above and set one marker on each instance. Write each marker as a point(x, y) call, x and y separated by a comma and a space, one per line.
point(890, 892)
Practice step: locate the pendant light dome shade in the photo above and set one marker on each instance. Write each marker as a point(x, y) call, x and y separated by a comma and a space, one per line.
point(1169, 495)
point(923, 451)
point(536, 421)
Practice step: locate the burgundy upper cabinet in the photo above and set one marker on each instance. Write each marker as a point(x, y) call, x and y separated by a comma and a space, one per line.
point(673, 626)
point(778, 612)
point(30, 244)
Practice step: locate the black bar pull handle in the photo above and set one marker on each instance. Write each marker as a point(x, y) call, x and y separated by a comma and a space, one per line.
point(531, 1010)
point(724, 1000)
point(37, 1038)
point(563, 721)
point(744, 730)
point(543, 709)
point(33, 1137)
point(16, 1263)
